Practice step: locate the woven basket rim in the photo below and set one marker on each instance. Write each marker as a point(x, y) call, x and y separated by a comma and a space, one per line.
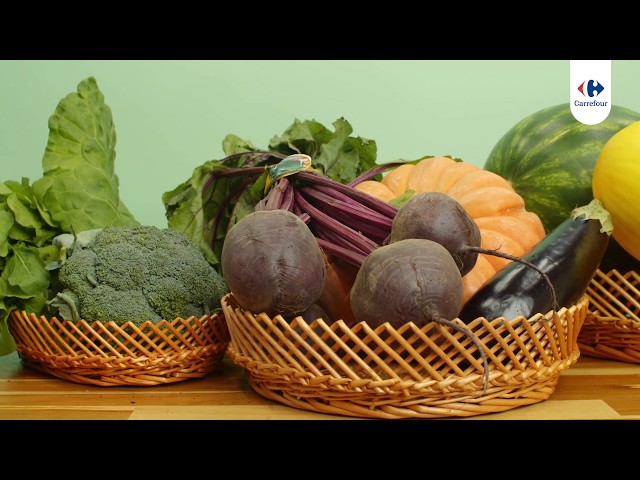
point(96, 323)
point(612, 321)
point(614, 294)
point(108, 353)
point(612, 327)
point(274, 367)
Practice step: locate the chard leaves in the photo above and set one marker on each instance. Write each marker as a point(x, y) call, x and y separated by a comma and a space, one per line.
point(77, 192)
point(24, 281)
point(337, 154)
point(205, 206)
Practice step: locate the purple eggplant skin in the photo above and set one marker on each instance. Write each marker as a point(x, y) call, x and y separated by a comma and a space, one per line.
point(569, 255)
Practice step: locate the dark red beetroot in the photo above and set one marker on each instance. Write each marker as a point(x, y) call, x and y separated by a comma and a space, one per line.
point(412, 280)
point(439, 217)
point(272, 263)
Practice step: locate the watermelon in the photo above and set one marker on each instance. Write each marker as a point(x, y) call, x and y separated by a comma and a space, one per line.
point(549, 157)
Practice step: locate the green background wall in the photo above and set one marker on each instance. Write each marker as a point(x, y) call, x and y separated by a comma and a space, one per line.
point(171, 116)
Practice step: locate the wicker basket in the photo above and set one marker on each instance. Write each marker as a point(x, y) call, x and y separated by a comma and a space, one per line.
point(411, 372)
point(106, 354)
point(612, 327)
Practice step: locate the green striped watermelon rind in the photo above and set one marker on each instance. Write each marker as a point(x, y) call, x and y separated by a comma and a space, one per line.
point(548, 157)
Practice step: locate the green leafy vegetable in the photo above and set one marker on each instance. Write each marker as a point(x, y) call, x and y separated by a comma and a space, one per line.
point(24, 280)
point(215, 197)
point(338, 155)
point(79, 188)
point(78, 191)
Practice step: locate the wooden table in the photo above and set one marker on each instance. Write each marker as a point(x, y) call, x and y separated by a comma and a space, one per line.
point(590, 389)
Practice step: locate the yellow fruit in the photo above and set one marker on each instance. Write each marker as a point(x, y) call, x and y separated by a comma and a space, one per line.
point(616, 183)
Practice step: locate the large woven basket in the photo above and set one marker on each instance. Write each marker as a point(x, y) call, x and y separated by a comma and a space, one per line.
point(106, 354)
point(410, 372)
point(612, 327)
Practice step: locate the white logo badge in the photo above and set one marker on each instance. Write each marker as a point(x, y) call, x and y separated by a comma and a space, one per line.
point(590, 90)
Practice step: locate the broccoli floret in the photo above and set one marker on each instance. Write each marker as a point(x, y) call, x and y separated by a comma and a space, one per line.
point(104, 303)
point(170, 297)
point(137, 274)
point(82, 274)
point(120, 265)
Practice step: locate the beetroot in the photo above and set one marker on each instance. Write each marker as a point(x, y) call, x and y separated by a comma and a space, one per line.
point(439, 217)
point(412, 280)
point(272, 263)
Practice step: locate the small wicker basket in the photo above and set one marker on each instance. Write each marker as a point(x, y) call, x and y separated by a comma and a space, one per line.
point(410, 372)
point(612, 327)
point(106, 354)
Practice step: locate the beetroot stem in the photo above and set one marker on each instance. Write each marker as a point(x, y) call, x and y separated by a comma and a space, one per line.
point(523, 262)
point(474, 339)
point(350, 235)
point(349, 207)
point(377, 170)
point(346, 254)
point(364, 198)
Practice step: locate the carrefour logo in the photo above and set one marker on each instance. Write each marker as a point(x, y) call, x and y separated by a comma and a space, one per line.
point(590, 88)
point(593, 88)
point(590, 99)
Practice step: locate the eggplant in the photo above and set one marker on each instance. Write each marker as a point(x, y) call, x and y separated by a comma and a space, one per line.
point(569, 255)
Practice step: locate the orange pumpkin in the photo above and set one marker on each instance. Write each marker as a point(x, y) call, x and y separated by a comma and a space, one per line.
point(505, 224)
